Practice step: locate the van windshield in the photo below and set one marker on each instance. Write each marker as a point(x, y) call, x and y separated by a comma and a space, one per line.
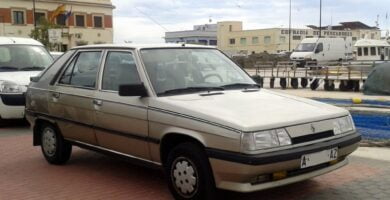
point(189, 70)
point(23, 58)
point(305, 47)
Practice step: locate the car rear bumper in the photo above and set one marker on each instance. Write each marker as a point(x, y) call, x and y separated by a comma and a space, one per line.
point(248, 173)
point(12, 106)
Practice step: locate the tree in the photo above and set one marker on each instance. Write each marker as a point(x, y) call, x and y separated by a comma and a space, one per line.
point(41, 32)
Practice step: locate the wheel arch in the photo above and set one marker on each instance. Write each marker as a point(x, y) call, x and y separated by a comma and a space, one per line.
point(172, 139)
point(38, 126)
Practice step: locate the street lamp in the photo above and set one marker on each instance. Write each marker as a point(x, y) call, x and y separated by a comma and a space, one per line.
point(320, 17)
point(289, 30)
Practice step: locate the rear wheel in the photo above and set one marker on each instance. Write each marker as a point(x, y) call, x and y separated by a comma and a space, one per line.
point(189, 173)
point(55, 149)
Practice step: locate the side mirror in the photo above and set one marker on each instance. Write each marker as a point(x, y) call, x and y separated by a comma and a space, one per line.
point(34, 79)
point(133, 90)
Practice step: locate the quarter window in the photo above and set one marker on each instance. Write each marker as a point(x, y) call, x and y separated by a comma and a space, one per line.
point(120, 69)
point(82, 71)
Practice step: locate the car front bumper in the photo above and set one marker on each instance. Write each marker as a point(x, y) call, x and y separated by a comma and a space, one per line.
point(249, 173)
point(12, 106)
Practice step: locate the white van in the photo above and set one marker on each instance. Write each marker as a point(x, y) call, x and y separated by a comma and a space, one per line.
point(322, 50)
point(20, 59)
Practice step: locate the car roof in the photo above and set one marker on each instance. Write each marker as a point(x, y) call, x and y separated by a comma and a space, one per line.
point(144, 46)
point(19, 40)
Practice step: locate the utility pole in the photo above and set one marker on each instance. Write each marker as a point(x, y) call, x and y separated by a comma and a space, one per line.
point(35, 21)
point(320, 17)
point(289, 30)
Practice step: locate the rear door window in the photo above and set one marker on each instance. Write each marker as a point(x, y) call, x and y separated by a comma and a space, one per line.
point(83, 70)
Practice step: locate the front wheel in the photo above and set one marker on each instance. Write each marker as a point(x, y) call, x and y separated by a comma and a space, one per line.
point(189, 173)
point(55, 149)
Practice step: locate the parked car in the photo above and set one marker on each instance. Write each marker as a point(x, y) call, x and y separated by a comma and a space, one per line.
point(20, 58)
point(189, 110)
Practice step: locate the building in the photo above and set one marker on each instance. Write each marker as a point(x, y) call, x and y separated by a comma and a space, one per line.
point(232, 39)
point(201, 34)
point(88, 22)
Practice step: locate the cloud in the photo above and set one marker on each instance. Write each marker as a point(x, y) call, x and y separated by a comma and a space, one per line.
point(137, 20)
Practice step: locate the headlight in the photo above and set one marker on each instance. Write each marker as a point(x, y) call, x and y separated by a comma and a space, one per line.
point(10, 87)
point(343, 125)
point(265, 139)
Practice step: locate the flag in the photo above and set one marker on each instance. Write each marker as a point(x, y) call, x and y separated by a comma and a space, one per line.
point(60, 9)
point(68, 13)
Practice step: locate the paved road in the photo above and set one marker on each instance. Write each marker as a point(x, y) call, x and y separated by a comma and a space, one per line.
point(24, 174)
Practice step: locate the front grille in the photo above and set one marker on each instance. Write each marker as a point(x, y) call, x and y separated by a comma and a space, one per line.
point(311, 137)
point(13, 99)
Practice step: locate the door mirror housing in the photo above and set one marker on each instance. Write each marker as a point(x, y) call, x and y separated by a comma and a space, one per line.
point(133, 90)
point(320, 47)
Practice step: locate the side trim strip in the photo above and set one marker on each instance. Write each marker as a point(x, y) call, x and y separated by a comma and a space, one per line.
point(109, 151)
point(283, 155)
point(128, 135)
point(194, 118)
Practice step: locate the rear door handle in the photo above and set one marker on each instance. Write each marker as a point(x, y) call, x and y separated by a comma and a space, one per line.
point(97, 102)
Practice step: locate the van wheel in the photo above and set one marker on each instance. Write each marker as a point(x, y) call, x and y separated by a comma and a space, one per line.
point(55, 149)
point(189, 173)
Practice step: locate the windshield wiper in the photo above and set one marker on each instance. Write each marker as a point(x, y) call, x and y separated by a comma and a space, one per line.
point(32, 68)
point(240, 85)
point(189, 90)
point(8, 68)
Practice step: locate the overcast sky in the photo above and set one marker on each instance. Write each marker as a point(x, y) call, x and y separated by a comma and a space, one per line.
point(146, 21)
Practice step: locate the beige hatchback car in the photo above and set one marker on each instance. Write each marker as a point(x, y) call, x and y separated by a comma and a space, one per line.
point(189, 110)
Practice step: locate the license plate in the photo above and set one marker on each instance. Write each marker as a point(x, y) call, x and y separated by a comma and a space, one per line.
point(317, 158)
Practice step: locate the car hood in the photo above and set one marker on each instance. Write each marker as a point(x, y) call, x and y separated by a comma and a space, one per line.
point(249, 111)
point(300, 54)
point(19, 77)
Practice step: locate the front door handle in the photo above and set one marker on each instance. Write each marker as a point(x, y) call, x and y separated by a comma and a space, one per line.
point(97, 102)
point(55, 96)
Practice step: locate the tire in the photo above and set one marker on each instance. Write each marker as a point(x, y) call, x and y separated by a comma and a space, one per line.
point(329, 85)
point(343, 86)
point(55, 149)
point(314, 84)
point(294, 83)
point(195, 166)
point(283, 83)
point(272, 83)
point(304, 82)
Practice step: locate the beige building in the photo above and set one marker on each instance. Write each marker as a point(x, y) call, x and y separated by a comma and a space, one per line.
point(232, 39)
point(90, 21)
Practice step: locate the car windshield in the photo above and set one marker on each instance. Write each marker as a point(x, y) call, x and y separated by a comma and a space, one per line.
point(186, 70)
point(23, 58)
point(305, 47)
